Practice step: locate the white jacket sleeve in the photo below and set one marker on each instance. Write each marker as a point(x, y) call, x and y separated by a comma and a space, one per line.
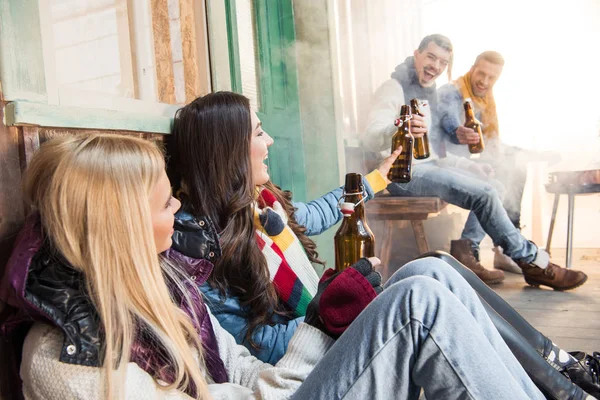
point(385, 109)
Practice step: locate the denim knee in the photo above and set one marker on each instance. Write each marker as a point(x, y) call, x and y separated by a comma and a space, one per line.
point(417, 295)
point(486, 197)
point(421, 267)
point(499, 188)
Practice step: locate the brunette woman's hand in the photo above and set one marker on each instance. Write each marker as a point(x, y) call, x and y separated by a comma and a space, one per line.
point(342, 296)
point(366, 266)
point(384, 167)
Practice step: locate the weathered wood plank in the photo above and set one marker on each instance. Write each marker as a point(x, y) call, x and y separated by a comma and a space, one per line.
point(48, 133)
point(12, 215)
point(570, 318)
point(383, 207)
point(196, 67)
point(420, 237)
point(29, 142)
point(189, 46)
point(568, 332)
point(21, 57)
point(163, 59)
point(28, 113)
point(11, 199)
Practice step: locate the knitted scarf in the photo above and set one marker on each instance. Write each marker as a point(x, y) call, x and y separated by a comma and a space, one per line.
point(487, 106)
point(290, 270)
point(407, 77)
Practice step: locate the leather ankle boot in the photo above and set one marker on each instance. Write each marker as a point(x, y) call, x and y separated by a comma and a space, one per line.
point(463, 252)
point(554, 276)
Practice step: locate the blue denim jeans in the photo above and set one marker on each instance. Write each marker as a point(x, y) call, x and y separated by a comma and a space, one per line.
point(421, 332)
point(481, 197)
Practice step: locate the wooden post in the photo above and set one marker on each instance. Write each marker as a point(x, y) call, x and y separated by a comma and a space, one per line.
point(196, 69)
point(420, 238)
point(29, 142)
point(11, 199)
point(163, 58)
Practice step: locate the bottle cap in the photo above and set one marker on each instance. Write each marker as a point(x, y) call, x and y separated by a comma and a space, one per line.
point(397, 122)
point(347, 209)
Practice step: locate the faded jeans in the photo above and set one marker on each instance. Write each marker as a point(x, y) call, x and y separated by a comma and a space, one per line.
point(424, 333)
point(464, 190)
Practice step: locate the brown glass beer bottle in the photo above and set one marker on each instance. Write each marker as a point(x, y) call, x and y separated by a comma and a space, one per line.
point(421, 143)
point(353, 240)
point(401, 170)
point(471, 122)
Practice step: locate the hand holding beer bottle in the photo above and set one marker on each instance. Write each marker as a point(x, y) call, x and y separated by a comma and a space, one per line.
point(353, 240)
point(421, 142)
point(401, 171)
point(386, 165)
point(475, 125)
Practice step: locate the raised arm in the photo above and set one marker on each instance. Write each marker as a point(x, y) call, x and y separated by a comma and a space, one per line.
point(321, 214)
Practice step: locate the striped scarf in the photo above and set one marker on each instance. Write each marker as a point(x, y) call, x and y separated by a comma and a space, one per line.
point(290, 270)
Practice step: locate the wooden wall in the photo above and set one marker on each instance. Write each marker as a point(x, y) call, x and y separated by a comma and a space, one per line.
point(11, 201)
point(17, 145)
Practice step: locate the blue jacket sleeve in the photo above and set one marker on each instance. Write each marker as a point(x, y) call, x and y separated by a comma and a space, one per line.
point(272, 339)
point(449, 110)
point(321, 214)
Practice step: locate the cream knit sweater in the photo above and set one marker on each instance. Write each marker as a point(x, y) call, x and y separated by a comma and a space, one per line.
point(46, 378)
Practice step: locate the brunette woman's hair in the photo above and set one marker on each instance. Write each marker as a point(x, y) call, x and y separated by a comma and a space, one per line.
point(209, 158)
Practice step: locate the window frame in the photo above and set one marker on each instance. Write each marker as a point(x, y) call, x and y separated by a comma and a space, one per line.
point(27, 82)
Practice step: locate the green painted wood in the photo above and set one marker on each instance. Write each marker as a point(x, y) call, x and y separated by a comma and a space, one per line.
point(234, 52)
point(279, 96)
point(317, 106)
point(22, 72)
point(30, 113)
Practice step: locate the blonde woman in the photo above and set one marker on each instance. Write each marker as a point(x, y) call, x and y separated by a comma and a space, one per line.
point(109, 319)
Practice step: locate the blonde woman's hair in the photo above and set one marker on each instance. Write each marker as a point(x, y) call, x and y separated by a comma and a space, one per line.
point(92, 194)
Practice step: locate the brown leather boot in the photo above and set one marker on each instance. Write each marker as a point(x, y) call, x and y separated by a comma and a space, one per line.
point(553, 276)
point(463, 252)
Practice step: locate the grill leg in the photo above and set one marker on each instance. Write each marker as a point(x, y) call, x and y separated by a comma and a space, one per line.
point(570, 229)
point(552, 220)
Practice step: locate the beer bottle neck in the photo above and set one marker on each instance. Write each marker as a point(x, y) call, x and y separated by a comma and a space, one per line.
point(353, 183)
point(469, 113)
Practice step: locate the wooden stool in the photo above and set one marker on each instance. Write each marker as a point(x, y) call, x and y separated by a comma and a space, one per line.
point(389, 209)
